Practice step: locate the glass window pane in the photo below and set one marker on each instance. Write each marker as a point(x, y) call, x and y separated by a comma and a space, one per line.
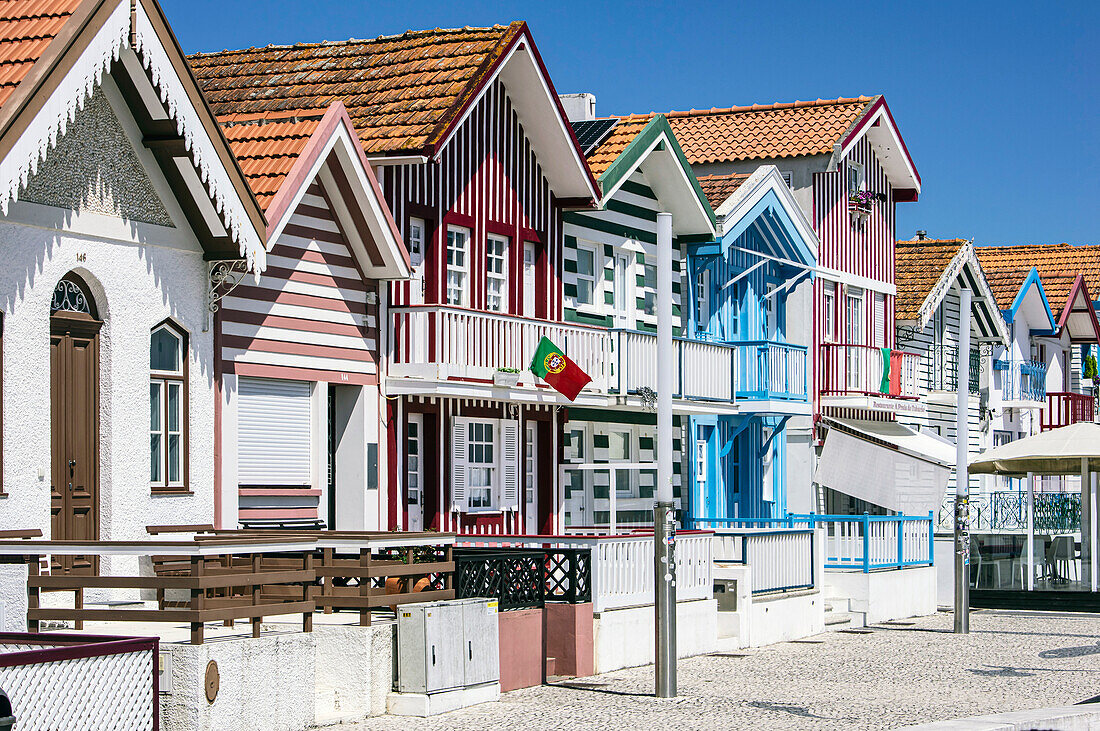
point(619, 446)
point(584, 262)
point(174, 458)
point(164, 351)
point(155, 405)
point(174, 407)
point(155, 458)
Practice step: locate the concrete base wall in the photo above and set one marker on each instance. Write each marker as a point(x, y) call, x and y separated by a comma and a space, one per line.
point(784, 617)
point(13, 597)
point(625, 638)
point(885, 595)
point(330, 674)
point(521, 656)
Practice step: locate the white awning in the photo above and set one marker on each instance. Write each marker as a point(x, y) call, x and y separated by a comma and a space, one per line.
point(886, 464)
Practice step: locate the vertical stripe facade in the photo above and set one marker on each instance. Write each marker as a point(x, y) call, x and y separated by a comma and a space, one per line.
point(861, 248)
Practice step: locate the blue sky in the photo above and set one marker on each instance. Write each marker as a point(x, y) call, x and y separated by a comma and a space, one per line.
point(999, 103)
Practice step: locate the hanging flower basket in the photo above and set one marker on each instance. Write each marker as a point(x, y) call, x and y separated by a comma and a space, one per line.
point(859, 204)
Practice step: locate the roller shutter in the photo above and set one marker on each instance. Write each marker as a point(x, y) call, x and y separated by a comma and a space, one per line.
point(273, 432)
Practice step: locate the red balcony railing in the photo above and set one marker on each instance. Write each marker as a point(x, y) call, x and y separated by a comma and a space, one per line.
point(857, 370)
point(1064, 408)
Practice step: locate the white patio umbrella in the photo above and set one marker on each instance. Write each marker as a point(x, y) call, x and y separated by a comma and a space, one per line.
point(1068, 450)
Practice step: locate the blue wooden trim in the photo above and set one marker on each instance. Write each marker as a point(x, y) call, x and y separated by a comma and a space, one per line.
point(1032, 278)
point(771, 207)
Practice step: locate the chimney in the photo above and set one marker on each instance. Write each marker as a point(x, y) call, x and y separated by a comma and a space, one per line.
point(922, 235)
point(579, 107)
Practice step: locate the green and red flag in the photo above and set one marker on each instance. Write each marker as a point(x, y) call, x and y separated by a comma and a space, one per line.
point(563, 375)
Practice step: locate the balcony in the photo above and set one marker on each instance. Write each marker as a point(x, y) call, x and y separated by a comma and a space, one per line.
point(852, 377)
point(1064, 408)
point(941, 368)
point(702, 370)
point(1023, 382)
point(771, 371)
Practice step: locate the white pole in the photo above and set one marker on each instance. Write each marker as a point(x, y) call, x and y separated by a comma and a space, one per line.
point(664, 526)
point(962, 476)
point(1094, 561)
point(1030, 531)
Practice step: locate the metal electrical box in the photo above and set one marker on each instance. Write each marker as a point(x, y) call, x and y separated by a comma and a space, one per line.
point(447, 645)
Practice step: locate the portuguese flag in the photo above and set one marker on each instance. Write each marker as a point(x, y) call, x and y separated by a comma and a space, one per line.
point(563, 375)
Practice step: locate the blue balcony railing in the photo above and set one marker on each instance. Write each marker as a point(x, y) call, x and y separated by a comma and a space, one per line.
point(1022, 380)
point(768, 370)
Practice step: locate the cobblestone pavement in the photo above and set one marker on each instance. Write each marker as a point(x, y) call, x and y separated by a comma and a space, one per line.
point(898, 674)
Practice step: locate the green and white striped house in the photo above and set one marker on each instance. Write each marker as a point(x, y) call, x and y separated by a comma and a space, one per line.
point(610, 281)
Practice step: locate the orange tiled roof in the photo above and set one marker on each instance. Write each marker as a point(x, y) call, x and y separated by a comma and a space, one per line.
point(718, 188)
point(1006, 267)
point(918, 266)
point(400, 91)
point(765, 131)
point(267, 146)
point(26, 29)
point(620, 137)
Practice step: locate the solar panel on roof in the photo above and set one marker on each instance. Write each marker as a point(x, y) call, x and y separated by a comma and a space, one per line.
point(591, 132)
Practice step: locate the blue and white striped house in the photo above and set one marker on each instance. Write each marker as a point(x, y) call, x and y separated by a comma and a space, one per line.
point(751, 290)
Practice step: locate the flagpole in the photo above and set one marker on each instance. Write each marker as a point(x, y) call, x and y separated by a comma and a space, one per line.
point(664, 514)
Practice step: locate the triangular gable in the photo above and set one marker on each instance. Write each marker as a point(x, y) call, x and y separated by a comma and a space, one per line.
point(668, 173)
point(1032, 280)
point(520, 68)
point(966, 268)
point(877, 123)
point(765, 202)
point(133, 39)
point(1078, 317)
point(334, 155)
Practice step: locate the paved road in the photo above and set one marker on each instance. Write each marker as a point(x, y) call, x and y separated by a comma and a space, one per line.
point(896, 675)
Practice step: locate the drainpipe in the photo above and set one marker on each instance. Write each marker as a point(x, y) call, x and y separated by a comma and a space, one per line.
point(962, 475)
point(664, 514)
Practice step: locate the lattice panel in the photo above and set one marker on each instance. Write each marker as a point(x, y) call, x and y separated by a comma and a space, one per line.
point(108, 693)
point(569, 575)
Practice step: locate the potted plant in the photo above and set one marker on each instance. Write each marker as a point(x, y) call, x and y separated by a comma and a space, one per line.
point(506, 377)
point(860, 203)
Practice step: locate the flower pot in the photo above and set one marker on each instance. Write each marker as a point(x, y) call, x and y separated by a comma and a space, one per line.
point(506, 378)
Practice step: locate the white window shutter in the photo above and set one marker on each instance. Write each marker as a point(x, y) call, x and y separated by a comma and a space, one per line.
point(458, 466)
point(509, 498)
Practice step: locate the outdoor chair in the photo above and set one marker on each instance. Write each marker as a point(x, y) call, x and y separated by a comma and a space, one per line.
point(1062, 557)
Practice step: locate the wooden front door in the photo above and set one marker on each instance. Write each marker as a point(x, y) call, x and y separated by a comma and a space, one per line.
point(74, 418)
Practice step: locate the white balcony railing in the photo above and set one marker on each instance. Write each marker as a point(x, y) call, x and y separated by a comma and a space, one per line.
point(781, 559)
point(622, 566)
point(440, 342)
point(702, 370)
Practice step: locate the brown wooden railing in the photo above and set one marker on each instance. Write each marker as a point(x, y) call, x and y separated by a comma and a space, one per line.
point(1064, 408)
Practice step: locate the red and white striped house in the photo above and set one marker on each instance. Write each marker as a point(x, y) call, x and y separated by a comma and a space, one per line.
point(299, 410)
point(477, 162)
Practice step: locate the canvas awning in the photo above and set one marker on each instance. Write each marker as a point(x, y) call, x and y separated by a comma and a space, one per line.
point(885, 463)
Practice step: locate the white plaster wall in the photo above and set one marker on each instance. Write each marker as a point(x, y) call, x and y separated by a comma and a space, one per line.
point(625, 638)
point(784, 617)
point(302, 677)
point(140, 274)
point(13, 597)
point(886, 595)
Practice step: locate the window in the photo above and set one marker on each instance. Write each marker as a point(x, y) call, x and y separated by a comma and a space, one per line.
point(412, 461)
point(618, 443)
point(830, 316)
point(650, 301)
point(853, 317)
point(855, 178)
point(788, 178)
point(496, 272)
point(574, 448)
point(586, 276)
point(702, 299)
point(415, 240)
point(771, 311)
point(458, 239)
point(167, 415)
point(480, 464)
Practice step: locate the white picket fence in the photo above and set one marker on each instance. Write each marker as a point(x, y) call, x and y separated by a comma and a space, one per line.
point(780, 559)
point(622, 566)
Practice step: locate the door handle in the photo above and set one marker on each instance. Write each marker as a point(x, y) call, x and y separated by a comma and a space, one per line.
point(470, 648)
point(72, 466)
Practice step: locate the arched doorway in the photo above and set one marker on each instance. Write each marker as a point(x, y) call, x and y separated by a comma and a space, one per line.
point(74, 419)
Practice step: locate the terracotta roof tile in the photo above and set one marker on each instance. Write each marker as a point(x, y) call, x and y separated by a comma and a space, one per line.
point(620, 137)
point(765, 131)
point(26, 29)
point(918, 266)
point(718, 188)
point(400, 91)
point(267, 146)
point(1006, 267)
